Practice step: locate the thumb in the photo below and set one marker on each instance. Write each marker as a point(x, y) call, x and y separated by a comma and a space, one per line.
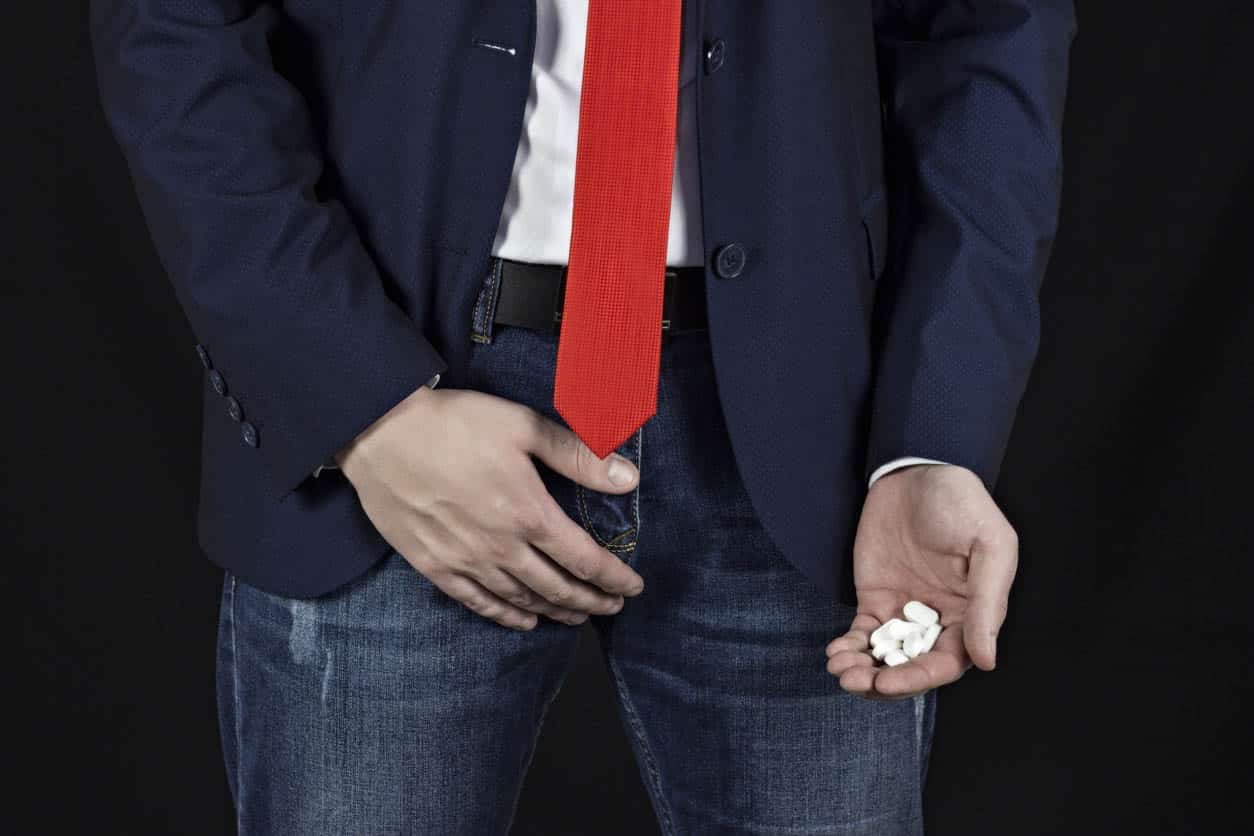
point(991, 572)
point(563, 451)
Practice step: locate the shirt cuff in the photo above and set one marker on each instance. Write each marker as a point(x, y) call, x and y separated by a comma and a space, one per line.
point(331, 465)
point(904, 461)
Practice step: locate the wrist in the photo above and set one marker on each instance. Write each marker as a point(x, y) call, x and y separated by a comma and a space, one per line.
point(348, 457)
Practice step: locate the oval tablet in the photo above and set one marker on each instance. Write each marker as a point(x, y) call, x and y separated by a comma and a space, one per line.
point(880, 634)
point(898, 629)
point(929, 637)
point(912, 645)
point(920, 613)
point(896, 657)
point(884, 648)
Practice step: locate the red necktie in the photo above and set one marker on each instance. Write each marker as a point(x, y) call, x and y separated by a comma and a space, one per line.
point(609, 345)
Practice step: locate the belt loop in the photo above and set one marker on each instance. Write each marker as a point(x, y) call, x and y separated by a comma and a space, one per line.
point(485, 304)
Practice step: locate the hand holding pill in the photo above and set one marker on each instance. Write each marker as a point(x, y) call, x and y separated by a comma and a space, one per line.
point(934, 560)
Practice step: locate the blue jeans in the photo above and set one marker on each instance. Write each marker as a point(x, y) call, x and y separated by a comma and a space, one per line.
point(387, 707)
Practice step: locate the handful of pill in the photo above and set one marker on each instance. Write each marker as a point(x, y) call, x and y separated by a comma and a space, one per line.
point(897, 640)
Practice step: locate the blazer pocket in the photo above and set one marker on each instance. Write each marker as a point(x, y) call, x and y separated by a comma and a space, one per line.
point(875, 224)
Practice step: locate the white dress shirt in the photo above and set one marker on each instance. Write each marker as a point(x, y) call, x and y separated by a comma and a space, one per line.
point(536, 219)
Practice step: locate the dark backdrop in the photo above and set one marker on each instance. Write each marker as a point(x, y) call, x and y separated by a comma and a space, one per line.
point(1124, 678)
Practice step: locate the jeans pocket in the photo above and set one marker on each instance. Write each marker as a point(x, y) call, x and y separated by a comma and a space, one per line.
point(612, 519)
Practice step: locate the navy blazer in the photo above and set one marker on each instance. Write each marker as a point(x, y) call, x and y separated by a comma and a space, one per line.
point(323, 180)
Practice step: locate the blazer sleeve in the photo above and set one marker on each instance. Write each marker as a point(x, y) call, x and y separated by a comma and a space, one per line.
point(973, 98)
point(276, 282)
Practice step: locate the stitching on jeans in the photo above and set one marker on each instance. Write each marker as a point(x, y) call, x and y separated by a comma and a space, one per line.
point(612, 544)
point(239, 738)
point(494, 293)
point(635, 498)
point(581, 493)
point(476, 333)
point(918, 724)
point(479, 332)
point(666, 818)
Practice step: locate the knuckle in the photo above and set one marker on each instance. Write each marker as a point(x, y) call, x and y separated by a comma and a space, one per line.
point(999, 542)
point(563, 596)
point(585, 463)
point(528, 519)
point(543, 607)
point(537, 429)
point(497, 552)
point(423, 564)
point(582, 568)
point(472, 569)
point(515, 561)
point(568, 446)
point(562, 438)
point(491, 548)
point(521, 598)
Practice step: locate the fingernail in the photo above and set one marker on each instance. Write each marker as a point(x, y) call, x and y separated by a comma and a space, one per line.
point(621, 471)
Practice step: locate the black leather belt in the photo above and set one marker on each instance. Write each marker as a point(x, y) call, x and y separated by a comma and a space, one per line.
point(531, 295)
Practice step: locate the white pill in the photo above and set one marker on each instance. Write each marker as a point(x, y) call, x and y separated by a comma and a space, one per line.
point(912, 645)
point(896, 657)
point(880, 634)
point(929, 637)
point(920, 613)
point(882, 649)
point(898, 629)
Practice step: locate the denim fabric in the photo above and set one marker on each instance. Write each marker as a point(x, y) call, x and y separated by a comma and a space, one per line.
point(387, 707)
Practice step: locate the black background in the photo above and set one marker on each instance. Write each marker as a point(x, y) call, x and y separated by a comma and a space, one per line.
point(1121, 696)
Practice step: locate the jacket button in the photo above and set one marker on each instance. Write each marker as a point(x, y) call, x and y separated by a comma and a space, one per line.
point(217, 381)
point(249, 434)
point(203, 354)
point(729, 261)
point(714, 55)
point(234, 409)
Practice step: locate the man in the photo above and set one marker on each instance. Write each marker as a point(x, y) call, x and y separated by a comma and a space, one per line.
point(451, 264)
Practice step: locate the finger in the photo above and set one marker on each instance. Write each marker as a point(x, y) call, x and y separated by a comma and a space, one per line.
point(922, 673)
point(943, 664)
point(846, 659)
point(510, 589)
point(857, 637)
point(563, 451)
point(476, 598)
point(569, 545)
point(860, 683)
point(994, 559)
point(555, 585)
point(858, 679)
